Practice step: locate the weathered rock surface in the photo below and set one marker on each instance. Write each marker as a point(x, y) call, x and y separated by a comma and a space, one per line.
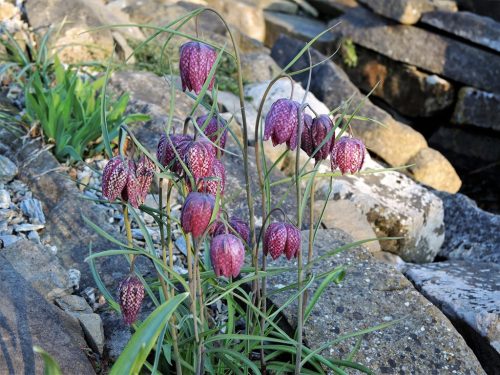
point(283, 6)
point(300, 27)
point(432, 52)
point(430, 167)
point(39, 268)
point(406, 12)
point(8, 169)
point(344, 215)
point(333, 8)
point(469, 294)
point(476, 107)
point(472, 27)
point(396, 206)
point(81, 15)
point(410, 91)
point(258, 67)
point(28, 320)
point(424, 342)
point(395, 143)
point(470, 233)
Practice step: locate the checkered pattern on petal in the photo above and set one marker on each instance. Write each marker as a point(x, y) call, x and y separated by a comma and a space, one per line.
point(275, 239)
point(145, 172)
point(348, 154)
point(320, 128)
point(196, 213)
point(114, 178)
point(293, 240)
point(131, 294)
point(200, 158)
point(196, 61)
point(281, 123)
point(216, 129)
point(237, 224)
point(216, 181)
point(166, 154)
point(306, 142)
point(227, 254)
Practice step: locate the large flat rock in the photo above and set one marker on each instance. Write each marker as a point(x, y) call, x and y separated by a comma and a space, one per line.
point(469, 294)
point(475, 28)
point(26, 320)
point(429, 51)
point(406, 12)
point(476, 107)
point(424, 342)
point(470, 233)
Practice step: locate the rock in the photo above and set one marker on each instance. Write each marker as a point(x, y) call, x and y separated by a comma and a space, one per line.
point(429, 168)
point(406, 12)
point(282, 6)
point(28, 227)
point(395, 206)
point(40, 268)
point(470, 233)
point(431, 52)
point(29, 320)
point(405, 88)
point(93, 329)
point(424, 342)
point(469, 295)
point(300, 27)
point(8, 240)
point(80, 16)
point(4, 199)
point(8, 170)
point(33, 209)
point(231, 103)
point(390, 258)
point(333, 8)
point(487, 9)
point(72, 303)
point(344, 215)
point(477, 29)
point(476, 107)
point(252, 24)
point(34, 236)
point(74, 276)
point(258, 67)
point(7, 10)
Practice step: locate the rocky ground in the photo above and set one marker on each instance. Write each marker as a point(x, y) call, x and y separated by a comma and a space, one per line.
point(439, 102)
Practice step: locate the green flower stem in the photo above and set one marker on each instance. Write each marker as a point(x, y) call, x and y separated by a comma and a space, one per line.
point(166, 292)
point(128, 230)
point(192, 287)
point(311, 239)
point(199, 367)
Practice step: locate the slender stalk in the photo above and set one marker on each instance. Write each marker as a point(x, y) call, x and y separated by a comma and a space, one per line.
point(168, 293)
point(200, 301)
point(311, 238)
point(192, 288)
point(128, 230)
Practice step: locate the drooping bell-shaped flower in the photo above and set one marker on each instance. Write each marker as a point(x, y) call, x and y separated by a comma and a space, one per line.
point(131, 294)
point(348, 154)
point(197, 212)
point(282, 123)
point(237, 224)
point(282, 238)
point(200, 158)
point(119, 180)
point(320, 128)
point(306, 142)
point(227, 254)
point(216, 180)
point(144, 172)
point(196, 61)
point(166, 154)
point(216, 129)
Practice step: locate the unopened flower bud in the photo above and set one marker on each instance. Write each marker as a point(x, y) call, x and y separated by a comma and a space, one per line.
point(131, 294)
point(197, 212)
point(227, 254)
point(348, 154)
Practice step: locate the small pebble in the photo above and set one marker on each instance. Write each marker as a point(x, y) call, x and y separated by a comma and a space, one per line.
point(34, 236)
point(32, 208)
point(28, 227)
point(74, 277)
point(7, 240)
point(4, 199)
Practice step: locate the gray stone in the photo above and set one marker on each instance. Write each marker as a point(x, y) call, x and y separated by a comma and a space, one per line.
point(8, 170)
point(8, 240)
point(28, 227)
point(475, 28)
point(299, 27)
point(396, 206)
point(344, 215)
point(74, 277)
point(395, 143)
point(283, 6)
point(29, 320)
point(405, 88)
point(34, 236)
point(432, 52)
point(93, 329)
point(4, 199)
point(476, 107)
point(470, 233)
point(258, 67)
point(33, 209)
point(406, 12)
point(371, 293)
point(79, 44)
point(73, 303)
point(469, 294)
point(333, 8)
point(40, 268)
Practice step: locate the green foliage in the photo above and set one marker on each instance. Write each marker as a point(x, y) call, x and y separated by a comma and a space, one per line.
point(349, 53)
point(68, 110)
point(50, 365)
